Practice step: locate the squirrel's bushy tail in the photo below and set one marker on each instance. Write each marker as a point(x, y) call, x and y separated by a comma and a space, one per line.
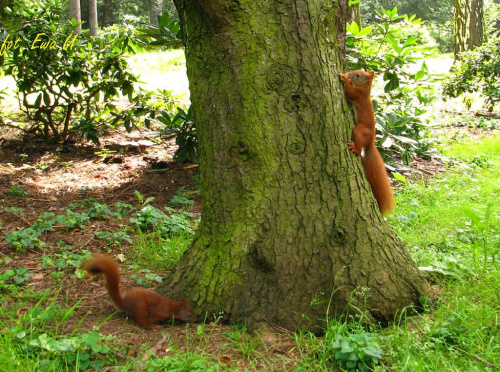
point(377, 177)
point(104, 264)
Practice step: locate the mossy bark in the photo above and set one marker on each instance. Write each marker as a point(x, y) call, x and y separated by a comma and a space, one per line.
point(289, 224)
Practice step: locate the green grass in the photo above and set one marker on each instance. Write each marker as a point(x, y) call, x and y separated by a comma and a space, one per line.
point(34, 335)
point(158, 252)
point(433, 217)
point(460, 331)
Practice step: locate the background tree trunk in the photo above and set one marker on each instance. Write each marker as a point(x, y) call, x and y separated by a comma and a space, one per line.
point(155, 9)
point(93, 17)
point(105, 9)
point(354, 14)
point(74, 12)
point(289, 224)
point(469, 25)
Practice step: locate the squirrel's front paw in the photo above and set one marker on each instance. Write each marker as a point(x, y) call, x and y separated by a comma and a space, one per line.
point(353, 147)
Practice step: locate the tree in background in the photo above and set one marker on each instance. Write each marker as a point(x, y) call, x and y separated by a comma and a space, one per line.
point(354, 12)
point(290, 231)
point(93, 17)
point(104, 12)
point(155, 9)
point(469, 25)
point(75, 12)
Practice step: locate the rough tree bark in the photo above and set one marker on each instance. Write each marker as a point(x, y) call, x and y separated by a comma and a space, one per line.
point(469, 25)
point(289, 224)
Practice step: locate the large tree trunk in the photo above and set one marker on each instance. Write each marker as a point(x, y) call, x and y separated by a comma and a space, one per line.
point(289, 224)
point(93, 17)
point(469, 25)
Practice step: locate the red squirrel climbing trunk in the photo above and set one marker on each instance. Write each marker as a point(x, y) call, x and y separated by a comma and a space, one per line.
point(358, 86)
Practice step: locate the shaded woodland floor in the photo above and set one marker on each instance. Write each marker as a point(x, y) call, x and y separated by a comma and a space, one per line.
point(54, 178)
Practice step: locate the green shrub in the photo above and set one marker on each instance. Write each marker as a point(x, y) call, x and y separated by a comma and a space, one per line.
point(182, 127)
point(393, 48)
point(442, 33)
point(477, 71)
point(65, 80)
point(151, 217)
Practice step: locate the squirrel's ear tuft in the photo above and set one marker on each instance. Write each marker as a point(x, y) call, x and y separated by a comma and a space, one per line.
point(371, 73)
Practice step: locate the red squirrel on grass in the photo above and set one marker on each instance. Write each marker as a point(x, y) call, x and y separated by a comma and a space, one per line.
point(358, 85)
point(146, 307)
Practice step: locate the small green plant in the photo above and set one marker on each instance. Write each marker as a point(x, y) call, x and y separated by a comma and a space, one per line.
point(16, 211)
point(182, 199)
point(182, 127)
point(21, 240)
point(123, 209)
point(72, 219)
point(240, 339)
point(147, 217)
point(159, 251)
point(29, 237)
point(448, 332)
point(64, 260)
point(478, 235)
point(143, 201)
point(82, 351)
point(356, 352)
point(97, 210)
point(145, 277)
point(104, 153)
point(101, 211)
point(150, 217)
point(114, 238)
point(17, 190)
point(17, 276)
point(183, 361)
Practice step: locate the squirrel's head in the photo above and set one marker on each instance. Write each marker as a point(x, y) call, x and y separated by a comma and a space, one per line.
point(185, 312)
point(357, 77)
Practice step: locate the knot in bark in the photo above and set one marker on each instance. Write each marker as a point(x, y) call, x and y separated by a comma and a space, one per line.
point(339, 235)
point(242, 150)
point(297, 146)
point(282, 78)
point(296, 102)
